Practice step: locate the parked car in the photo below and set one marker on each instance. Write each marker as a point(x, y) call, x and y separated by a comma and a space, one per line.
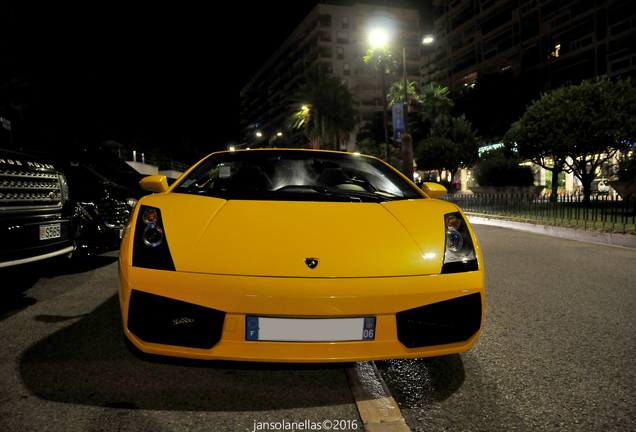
point(38, 220)
point(104, 204)
point(110, 165)
point(600, 186)
point(292, 255)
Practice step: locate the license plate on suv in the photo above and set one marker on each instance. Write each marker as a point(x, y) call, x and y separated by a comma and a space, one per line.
point(50, 231)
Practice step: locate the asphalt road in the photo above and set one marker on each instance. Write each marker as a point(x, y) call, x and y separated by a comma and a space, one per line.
point(64, 367)
point(557, 349)
point(556, 352)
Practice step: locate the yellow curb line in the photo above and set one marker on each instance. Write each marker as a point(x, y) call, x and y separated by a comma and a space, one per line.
point(378, 410)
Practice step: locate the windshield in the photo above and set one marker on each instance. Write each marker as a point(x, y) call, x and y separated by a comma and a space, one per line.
point(296, 175)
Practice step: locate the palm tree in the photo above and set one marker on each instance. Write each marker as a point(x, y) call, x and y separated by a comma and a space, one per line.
point(330, 114)
point(435, 102)
point(382, 61)
point(396, 93)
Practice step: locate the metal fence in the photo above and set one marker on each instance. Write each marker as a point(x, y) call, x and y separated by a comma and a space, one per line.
point(601, 213)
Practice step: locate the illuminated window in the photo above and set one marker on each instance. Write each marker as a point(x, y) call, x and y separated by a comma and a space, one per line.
point(557, 49)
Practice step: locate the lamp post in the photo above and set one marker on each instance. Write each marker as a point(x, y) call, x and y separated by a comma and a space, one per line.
point(379, 38)
point(407, 141)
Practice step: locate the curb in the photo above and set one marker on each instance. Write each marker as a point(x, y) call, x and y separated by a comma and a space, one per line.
point(377, 408)
point(570, 233)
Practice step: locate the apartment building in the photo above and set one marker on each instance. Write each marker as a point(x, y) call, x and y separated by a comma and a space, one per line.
point(335, 40)
point(554, 40)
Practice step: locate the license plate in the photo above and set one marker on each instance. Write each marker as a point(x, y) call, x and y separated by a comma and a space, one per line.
point(309, 329)
point(50, 231)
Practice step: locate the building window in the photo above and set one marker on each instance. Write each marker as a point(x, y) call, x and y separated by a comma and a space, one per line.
point(326, 68)
point(345, 22)
point(340, 52)
point(556, 50)
point(347, 69)
point(344, 83)
point(325, 20)
point(343, 37)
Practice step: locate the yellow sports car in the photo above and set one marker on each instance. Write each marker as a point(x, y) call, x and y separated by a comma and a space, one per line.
point(291, 255)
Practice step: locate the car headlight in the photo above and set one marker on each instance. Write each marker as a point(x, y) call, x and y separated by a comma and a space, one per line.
point(150, 245)
point(459, 254)
point(64, 188)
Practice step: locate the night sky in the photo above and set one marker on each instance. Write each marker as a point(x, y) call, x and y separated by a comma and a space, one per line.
point(155, 76)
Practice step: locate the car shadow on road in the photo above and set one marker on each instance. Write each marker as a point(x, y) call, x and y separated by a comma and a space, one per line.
point(18, 280)
point(88, 363)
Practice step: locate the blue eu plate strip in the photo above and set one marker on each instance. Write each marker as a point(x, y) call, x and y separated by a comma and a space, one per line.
point(251, 328)
point(368, 332)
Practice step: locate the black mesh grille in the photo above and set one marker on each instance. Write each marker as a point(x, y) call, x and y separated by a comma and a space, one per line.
point(114, 213)
point(163, 320)
point(450, 321)
point(20, 189)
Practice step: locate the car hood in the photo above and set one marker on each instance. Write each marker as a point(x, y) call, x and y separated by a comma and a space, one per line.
point(274, 238)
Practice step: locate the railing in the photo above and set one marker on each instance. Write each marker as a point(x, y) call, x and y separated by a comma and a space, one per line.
point(178, 166)
point(145, 158)
point(601, 213)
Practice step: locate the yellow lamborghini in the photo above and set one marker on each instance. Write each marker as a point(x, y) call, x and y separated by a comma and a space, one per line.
point(290, 255)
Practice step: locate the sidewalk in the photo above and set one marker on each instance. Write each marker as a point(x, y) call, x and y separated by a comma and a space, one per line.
point(624, 240)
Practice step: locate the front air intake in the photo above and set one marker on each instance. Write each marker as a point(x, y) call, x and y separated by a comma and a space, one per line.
point(166, 321)
point(449, 321)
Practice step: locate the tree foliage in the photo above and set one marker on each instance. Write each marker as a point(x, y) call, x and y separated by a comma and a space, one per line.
point(581, 126)
point(374, 130)
point(452, 144)
point(331, 115)
point(396, 93)
point(368, 146)
point(435, 102)
point(381, 60)
point(502, 167)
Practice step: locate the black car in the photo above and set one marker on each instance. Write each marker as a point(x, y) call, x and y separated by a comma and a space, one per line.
point(104, 204)
point(37, 218)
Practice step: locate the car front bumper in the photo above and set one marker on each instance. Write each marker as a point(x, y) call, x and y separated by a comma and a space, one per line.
point(236, 297)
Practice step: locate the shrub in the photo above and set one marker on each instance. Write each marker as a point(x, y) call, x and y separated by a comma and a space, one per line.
point(502, 167)
point(626, 170)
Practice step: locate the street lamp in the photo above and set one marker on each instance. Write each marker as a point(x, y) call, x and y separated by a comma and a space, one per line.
point(407, 144)
point(379, 38)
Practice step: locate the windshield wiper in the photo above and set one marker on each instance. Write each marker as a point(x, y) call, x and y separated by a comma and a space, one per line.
point(359, 195)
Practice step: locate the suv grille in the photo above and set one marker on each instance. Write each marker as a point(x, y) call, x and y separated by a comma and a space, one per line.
point(113, 213)
point(26, 189)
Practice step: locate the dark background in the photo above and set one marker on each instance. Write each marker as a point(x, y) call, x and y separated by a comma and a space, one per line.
point(75, 75)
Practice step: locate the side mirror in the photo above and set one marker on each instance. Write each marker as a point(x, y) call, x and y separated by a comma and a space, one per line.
point(154, 183)
point(433, 190)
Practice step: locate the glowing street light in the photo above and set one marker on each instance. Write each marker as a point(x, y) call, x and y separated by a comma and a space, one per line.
point(428, 39)
point(378, 38)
